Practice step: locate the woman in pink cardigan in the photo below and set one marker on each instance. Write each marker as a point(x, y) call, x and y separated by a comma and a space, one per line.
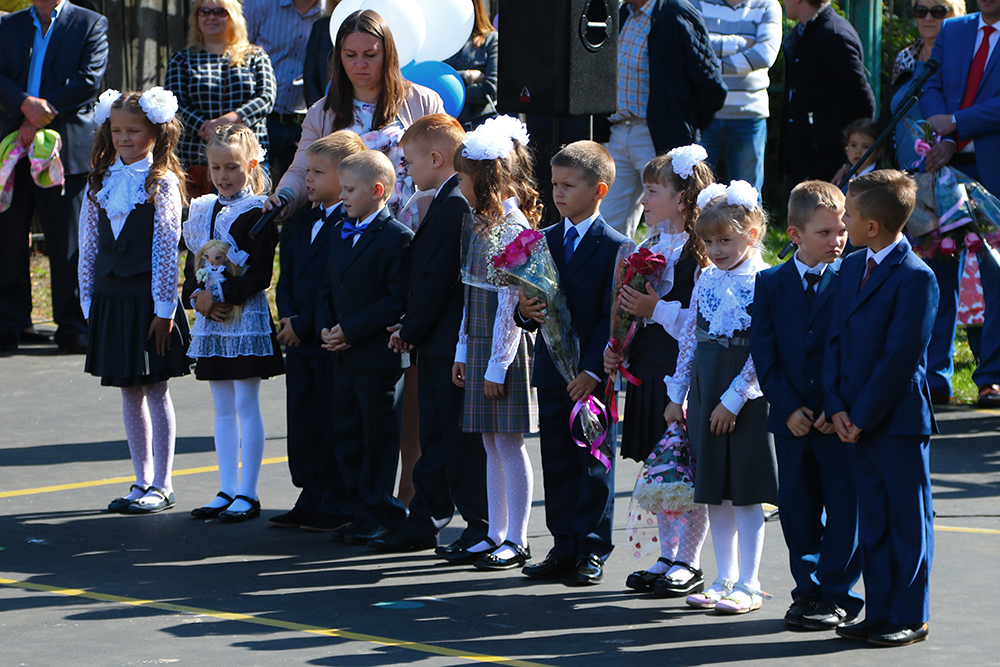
point(368, 95)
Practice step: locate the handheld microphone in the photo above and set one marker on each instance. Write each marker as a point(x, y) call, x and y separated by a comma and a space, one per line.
point(285, 195)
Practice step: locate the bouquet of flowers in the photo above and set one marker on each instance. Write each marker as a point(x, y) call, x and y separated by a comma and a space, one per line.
point(636, 267)
point(527, 263)
point(665, 486)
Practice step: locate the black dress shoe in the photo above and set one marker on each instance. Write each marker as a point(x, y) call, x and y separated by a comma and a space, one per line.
point(155, 500)
point(365, 533)
point(799, 608)
point(119, 505)
point(553, 567)
point(665, 587)
point(589, 571)
point(74, 344)
point(229, 516)
point(212, 512)
point(322, 522)
point(490, 561)
point(461, 544)
point(291, 519)
point(33, 338)
point(466, 557)
point(826, 616)
point(403, 541)
point(643, 580)
point(860, 631)
point(899, 635)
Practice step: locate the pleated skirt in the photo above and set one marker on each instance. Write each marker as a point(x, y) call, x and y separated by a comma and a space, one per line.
point(642, 426)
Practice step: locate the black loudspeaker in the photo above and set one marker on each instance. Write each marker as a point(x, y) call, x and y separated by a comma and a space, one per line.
point(558, 57)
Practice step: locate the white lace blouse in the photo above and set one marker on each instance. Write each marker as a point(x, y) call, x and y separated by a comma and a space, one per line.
point(125, 188)
point(722, 298)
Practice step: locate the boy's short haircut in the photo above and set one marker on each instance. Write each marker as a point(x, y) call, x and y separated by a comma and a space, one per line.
point(807, 196)
point(866, 126)
point(886, 195)
point(373, 167)
point(436, 131)
point(336, 146)
point(590, 158)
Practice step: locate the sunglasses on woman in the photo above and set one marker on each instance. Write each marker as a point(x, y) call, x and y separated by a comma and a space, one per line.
point(937, 11)
point(220, 12)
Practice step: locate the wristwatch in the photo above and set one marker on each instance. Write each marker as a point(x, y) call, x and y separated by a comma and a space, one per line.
point(953, 121)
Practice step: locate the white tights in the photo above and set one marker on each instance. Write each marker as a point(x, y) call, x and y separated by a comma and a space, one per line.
point(151, 429)
point(681, 540)
point(509, 485)
point(738, 537)
point(239, 433)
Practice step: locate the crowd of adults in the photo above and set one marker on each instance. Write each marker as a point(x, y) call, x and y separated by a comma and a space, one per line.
point(688, 71)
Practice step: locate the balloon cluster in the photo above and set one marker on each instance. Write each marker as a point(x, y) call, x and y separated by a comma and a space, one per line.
point(426, 32)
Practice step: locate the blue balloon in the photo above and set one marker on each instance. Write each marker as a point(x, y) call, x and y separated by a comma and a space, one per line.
point(442, 79)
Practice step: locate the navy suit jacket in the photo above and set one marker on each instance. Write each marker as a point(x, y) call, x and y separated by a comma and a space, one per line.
point(586, 282)
point(944, 91)
point(74, 66)
point(436, 296)
point(876, 359)
point(298, 285)
point(788, 339)
point(364, 290)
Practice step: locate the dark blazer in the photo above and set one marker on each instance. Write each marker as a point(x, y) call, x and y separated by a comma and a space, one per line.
point(876, 359)
point(824, 78)
point(305, 267)
point(364, 290)
point(946, 87)
point(436, 295)
point(586, 282)
point(74, 66)
point(788, 340)
point(316, 66)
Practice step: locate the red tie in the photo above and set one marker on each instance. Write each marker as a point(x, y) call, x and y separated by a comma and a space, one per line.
point(976, 75)
point(872, 265)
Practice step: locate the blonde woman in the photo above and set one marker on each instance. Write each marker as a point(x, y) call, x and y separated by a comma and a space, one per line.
point(219, 79)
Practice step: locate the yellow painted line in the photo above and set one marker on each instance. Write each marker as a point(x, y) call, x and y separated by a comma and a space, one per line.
point(117, 480)
point(271, 623)
point(954, 529)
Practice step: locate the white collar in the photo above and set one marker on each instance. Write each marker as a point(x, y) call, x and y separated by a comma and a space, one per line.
point(883, 253)
point(327, 212)
point(367, 221)
point(983, 24)
point(509, 205)
point(803, 269)
point(581, 227)
point(138, 167)
point(754, 264)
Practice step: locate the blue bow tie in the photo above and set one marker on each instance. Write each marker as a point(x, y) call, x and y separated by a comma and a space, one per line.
point(350, 229)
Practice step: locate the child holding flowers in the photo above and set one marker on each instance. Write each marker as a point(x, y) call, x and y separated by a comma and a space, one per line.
point(492, 355)
point(672, 183)
point(736, 466)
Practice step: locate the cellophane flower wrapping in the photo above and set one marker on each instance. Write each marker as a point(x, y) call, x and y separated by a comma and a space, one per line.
point(664, 490)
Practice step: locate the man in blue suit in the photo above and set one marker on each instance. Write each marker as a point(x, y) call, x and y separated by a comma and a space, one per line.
point(819, 506)
point(52, 59)
point(875, 389)
point(962, 102)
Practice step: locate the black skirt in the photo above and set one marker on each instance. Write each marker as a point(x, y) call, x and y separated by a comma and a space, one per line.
point(643, 425)
point(242, 367)
point(119, 351)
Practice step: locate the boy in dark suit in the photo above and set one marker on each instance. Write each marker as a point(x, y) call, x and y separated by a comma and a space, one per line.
point(791, 315)
point(579, 492)
point(363, 294)
point(875, 388)
point(322, 505)
point(451, 470)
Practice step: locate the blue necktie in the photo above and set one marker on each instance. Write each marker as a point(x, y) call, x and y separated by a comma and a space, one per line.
point(349, 229)
point(569, 242)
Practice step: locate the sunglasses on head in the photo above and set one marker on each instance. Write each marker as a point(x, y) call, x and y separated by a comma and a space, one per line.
point(937, 11)
point(221, 12)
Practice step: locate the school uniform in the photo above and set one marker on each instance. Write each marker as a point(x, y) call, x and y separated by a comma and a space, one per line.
point(787, 341)
point(875, 369)
point(579, 491)
point(310, 370)
point(364, 291)
point(451, 470)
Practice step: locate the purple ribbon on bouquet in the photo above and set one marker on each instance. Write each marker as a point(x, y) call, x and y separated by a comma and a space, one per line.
point(596, 408)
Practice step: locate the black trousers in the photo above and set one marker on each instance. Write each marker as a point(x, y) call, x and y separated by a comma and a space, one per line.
point(364, 428)
point(59, 215)
point(312, 460)
point(451, 470)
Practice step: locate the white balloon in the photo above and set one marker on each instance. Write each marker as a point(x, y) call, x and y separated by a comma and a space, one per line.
point(405, 19)
point(449, 26)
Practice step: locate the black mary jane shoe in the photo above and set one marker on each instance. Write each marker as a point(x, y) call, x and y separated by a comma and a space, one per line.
point(643, 580)
point(212, 512)
point(668, 588)
point(466, 557)
point(119, 505)
point(143, 506)
point(229, 516)
point(490, 561)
